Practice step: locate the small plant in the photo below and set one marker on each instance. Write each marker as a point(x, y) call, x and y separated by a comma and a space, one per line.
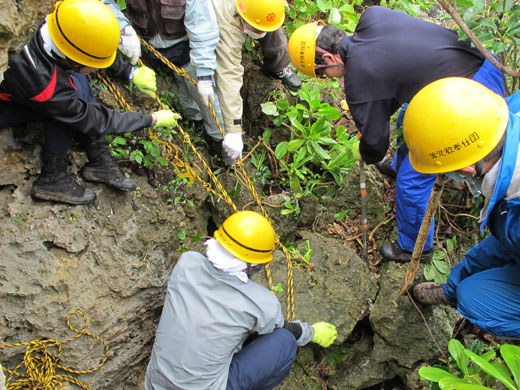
point(303, 254)
point(339, 13)
point(475, 369)
point(438, 268)
point(312, 151)
point(291, 208)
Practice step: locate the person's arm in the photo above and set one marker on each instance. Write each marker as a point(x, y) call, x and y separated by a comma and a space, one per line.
point(303, 331)
point(129, 43)
point(202, 30)
point(372, 121)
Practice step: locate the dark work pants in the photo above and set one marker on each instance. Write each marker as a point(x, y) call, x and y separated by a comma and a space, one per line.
point(57, 137)
point(274, 48)
point(264, 363)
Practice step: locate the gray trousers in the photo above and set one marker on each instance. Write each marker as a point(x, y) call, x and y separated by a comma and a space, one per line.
point(194, 108)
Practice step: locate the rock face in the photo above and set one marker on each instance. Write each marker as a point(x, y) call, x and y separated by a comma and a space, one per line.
point(111, 260)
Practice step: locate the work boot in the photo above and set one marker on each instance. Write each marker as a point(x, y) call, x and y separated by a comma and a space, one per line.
point(56, 185)
point(385, 167)
point(102, 167)
point(430, 293)
point(289, 78)
point(393, 252)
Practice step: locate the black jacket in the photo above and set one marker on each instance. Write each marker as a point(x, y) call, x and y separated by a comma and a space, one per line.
point(37, 80)
point(388, 59)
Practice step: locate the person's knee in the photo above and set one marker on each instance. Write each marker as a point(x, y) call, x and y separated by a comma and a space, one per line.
point(287, 343)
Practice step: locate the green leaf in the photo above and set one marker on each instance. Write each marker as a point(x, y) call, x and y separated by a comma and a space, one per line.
point(182, 234)
point(320, 151)
point(471, 386)
point(435, 374)
point(330, 113)
point(295, 144)
point(326, 141)
point(494, 372)
point(118, 141)
point(442, 266)
point(511, 355)
point(508, 4)
point(269, 108)
point(295, 184)
point(324, 5)
point(450, 383)
point(334, 16)
point(266, 135)
point(457, 352)
point(281, 150)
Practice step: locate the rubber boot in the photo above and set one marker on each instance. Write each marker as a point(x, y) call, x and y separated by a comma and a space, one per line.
point(102, 167)
point(56, 185)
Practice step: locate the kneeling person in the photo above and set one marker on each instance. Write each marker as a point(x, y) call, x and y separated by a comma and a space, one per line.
point(219, 329)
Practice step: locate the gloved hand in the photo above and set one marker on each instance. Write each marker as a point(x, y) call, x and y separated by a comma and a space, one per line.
point(165, 118)
point(355, 151)
point(324, 334)
point(144, 79)
point(129, 44)
point(206, 91)
point(233, 145)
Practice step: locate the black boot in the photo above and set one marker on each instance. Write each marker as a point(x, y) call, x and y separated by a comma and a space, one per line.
point(289, 78)
point(385, 167)
point(393, 252)
point(102, 167)
point(56, 185)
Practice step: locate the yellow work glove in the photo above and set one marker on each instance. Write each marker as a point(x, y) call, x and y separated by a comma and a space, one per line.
point(324, 333)
point(144, 79)
point(165, 118)
point(355, 151)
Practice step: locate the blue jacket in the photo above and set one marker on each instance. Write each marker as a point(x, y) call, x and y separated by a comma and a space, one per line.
point(502, 215)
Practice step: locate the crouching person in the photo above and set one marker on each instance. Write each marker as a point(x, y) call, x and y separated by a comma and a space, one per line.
point(219, 329)
point(46, 81)
point(457, 126)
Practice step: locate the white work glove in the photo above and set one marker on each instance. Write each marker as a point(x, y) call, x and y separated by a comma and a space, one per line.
point(130, 45)
point(233, 145)
point(206, 92)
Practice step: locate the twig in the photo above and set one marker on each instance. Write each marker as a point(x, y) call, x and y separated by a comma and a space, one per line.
point(252, 150)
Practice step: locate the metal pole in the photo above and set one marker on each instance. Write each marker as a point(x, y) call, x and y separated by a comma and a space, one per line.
point(364, 220)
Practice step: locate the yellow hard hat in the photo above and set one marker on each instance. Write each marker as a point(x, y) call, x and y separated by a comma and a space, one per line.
point(302, 48)
point(86, 31)
point(248, 236)
point(264, 15)
point(453, 123)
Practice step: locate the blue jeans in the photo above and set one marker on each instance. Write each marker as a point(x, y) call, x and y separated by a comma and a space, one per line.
point(264, 363)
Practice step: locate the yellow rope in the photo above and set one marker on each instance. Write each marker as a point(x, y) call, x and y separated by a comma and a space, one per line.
point(37, 371)
point(222, 193)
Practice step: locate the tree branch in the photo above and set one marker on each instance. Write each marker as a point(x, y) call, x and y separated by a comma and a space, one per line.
point(456, 17)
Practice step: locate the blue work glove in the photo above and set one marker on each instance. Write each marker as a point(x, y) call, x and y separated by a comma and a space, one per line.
point(165, 118)
point(324, 334)
point(144, 79)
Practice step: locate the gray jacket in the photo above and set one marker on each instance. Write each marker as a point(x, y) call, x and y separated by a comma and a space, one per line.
point(207, 316)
